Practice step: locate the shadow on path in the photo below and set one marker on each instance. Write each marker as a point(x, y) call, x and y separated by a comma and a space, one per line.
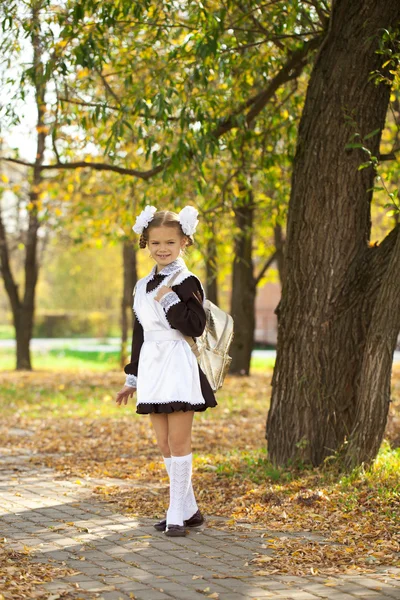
point(122, 557)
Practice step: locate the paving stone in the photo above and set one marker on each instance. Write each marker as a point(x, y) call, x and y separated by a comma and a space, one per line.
point(118, 562)
point(152, 595)
point(132, 586)
point(300, 595)
point(117, 595)
point(365, 593)
point(95, 586)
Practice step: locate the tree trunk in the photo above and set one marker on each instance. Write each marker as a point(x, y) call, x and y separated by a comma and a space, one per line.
point(130, 279)
point(243, 289)
point(373, 397)
point(211, 267)
point(23, 311)
point(332, 314)
point(279, 247)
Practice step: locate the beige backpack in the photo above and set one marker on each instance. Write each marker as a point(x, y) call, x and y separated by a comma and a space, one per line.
point(212, 347)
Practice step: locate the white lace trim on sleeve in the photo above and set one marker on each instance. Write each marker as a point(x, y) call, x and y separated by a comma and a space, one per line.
point(169, 300)
point(131, 380)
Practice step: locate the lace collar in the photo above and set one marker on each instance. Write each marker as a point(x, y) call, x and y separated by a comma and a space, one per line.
point(176, 265)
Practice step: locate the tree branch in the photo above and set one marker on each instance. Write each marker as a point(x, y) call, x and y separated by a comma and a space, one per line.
point(290, 70)
point(114, 108)
point(265, 268)
point(389, 156)
point(83, 164)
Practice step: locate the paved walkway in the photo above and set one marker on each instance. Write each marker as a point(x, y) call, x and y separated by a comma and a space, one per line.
point(120, 557)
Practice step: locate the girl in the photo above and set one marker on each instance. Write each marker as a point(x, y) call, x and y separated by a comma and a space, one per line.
point(163, 370)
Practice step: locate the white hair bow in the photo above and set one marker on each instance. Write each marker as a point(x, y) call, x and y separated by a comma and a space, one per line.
point(144, 219)
point(188, 219)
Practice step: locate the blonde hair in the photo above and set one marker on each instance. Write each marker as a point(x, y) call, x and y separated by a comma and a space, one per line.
point(163, 218)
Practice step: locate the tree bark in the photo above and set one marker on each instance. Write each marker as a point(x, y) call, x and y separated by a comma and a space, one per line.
point(130, 279)
point(23, 309)
point(280, 256)
point(243, 289)
point(332, 313)
point(211, 267)
point(373, 396)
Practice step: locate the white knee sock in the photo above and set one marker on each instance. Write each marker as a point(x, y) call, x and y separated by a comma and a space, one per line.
point(180, 477)
point(190, 505)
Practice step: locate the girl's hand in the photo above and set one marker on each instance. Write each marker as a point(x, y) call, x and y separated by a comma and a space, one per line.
point(162, 291)
point(123, 395)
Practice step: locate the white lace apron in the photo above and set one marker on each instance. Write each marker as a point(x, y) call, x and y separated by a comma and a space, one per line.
point(168, 369)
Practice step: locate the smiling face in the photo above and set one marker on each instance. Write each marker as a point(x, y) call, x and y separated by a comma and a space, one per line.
point(165, 244)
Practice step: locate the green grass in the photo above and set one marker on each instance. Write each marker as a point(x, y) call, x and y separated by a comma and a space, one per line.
point(379, 483)
point(259, 363)
point(70, 360)
point(7, 332)
point(40, 400)
point(64, 360)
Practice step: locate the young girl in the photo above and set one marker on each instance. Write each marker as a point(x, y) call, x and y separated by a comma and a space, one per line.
point(163, 370)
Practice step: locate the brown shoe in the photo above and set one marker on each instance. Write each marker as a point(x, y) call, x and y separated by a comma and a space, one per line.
point(195, 521)
point(160, 525)
point(175, 531)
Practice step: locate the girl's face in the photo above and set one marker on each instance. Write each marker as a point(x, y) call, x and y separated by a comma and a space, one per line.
point(165, 244)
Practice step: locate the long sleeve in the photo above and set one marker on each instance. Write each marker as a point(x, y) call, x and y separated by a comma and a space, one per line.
point(184, 307)
point(131, 369)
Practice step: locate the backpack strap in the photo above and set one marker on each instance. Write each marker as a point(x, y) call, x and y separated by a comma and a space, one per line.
point(190, 340)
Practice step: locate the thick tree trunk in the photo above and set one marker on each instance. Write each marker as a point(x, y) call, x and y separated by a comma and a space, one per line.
point(130, 279)
point(332, 311)
point(211, 267)
point(243, 289)
point(373, 396)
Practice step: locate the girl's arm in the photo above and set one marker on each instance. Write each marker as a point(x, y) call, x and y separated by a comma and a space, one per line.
point(131, 369)
point(184, 307)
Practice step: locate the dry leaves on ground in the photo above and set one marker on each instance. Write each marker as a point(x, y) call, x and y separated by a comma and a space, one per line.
point(358, 518)
point(20, 577)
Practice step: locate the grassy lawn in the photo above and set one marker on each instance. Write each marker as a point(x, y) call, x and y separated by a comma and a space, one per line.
point(67, 359)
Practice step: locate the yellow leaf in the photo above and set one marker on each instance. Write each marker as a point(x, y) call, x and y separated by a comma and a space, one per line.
point(4, 179)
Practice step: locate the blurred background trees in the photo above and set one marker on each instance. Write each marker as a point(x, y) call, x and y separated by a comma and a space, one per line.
point(168, 103)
